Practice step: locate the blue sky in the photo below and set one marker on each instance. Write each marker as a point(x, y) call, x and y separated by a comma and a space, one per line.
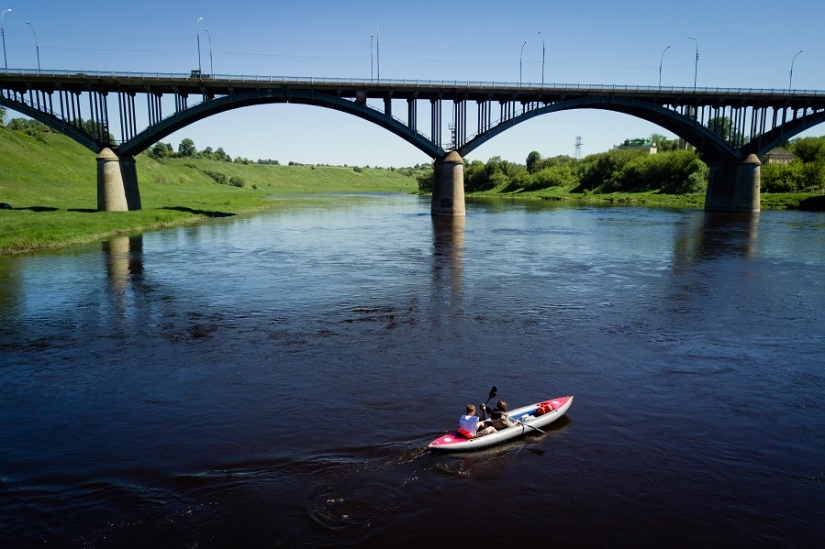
point(741, 45)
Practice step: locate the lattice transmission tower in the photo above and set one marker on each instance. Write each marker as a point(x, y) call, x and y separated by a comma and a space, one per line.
point(578, 154)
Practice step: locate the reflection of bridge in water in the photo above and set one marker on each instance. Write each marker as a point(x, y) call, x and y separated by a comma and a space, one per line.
point(79, 105)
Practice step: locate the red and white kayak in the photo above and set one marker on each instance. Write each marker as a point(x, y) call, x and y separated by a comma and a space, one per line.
point(522, 417)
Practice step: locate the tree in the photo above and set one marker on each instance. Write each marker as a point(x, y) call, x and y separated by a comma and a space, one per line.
point(808, 149)
point(161, 150)
point(663, 144)
point(533, 161)
point(721, 126)
point(2, 116)
point(187, 148)
point(98, 130)
point(221, 155)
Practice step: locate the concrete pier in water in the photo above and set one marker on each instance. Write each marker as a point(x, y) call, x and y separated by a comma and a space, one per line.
point(448, 186)
point(734, 186)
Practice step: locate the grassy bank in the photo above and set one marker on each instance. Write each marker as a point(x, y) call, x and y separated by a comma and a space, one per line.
point(51, 182)
point(769, 201)
point(651, 198)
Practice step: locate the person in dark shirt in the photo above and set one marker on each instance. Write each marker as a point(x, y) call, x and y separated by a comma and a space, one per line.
point(498, 416)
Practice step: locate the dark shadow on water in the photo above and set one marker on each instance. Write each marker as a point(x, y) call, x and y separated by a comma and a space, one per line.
point(448, 258)
point(197, 212)
point(124, 263)
point(715, 236)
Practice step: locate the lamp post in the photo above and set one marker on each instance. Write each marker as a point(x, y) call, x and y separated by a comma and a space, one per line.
point(696, 63)
point(36, 47)
point(372, 36)
point(3, 31)
point(521, 55)
point(198, 36)
point(661, 60)
point(211, 67)
point(542, 58)
point(790, 79)
point(377, 54)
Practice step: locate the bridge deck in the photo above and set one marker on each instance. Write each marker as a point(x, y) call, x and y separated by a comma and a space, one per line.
point(128, 82)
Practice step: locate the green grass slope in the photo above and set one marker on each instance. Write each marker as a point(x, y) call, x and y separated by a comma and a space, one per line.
point(51, 182)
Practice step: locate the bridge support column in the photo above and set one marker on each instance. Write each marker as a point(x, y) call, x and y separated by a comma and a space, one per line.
point(117, 185)
point(111, 195)
point(734, 186)
point(128, 171)
point(448, 186)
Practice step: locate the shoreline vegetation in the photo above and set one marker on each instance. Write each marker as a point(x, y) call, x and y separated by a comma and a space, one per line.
point(50, 182)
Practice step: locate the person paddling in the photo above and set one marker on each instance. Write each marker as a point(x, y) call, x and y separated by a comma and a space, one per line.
point(499, 417)
point(468, 424)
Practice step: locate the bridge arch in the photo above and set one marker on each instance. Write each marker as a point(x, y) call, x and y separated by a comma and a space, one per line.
point(777, 136)
point(184, 118)
point(66, 128)
point(712, 146)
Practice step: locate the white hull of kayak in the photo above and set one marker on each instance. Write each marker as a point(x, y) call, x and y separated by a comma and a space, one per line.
point(452, 442)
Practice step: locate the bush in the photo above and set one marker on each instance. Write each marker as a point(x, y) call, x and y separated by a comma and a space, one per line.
point(219, 177)
point(236, 181)
point(554, 176)
point(32, 128)
point(425, 181)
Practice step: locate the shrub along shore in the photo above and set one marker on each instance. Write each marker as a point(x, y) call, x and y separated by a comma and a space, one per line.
point(50, 181)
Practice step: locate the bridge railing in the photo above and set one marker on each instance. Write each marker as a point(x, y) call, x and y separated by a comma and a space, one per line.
point(389, 83)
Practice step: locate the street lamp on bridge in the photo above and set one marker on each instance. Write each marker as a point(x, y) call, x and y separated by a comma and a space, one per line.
point(542, 58)
point(3, 31)
point(790, 79)
point(696, 63)
point(36, 47)
point(211, 67)
point(377, 54)
point(521, 55)
point(198, 37)
point(661, 60)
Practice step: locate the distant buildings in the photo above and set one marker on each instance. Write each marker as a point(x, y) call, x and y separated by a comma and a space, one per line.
point(778, 156)
point(639, 144)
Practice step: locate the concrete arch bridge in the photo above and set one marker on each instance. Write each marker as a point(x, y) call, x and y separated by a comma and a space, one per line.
point(142, 109)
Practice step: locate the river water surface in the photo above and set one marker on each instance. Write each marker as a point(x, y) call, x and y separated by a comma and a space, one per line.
point(273, 380)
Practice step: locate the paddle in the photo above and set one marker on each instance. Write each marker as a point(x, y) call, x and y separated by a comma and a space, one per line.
point(535, 428)
point(493, 393)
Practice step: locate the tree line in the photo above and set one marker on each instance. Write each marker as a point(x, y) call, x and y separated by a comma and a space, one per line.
point(670, 171)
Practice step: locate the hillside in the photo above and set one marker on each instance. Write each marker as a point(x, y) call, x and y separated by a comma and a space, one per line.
point(51, 182)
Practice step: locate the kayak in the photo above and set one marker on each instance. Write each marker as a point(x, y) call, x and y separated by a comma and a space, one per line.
point(524, 418)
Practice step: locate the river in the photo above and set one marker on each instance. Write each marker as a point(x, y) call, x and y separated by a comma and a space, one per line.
point(273, 380)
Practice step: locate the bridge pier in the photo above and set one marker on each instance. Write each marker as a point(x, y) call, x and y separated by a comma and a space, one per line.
point(734, 186)
point(117, 184)
point(128, 171)
point(448, 186)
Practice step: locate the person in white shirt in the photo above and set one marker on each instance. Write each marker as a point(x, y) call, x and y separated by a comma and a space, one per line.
point(468, 424)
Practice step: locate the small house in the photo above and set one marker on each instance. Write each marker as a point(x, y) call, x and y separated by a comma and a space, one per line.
point(639, 144)
point(778, 156)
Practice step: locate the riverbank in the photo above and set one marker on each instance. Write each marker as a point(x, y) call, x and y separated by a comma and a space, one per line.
point(769, 201)
point(50, 181)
